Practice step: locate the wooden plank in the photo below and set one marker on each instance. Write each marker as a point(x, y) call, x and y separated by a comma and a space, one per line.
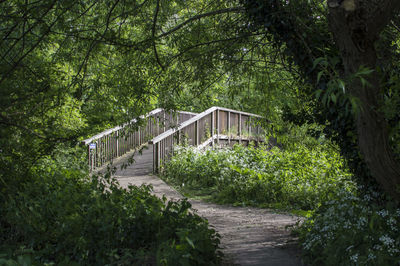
point(229, 126)
point(240, 128)
point(218, 126)
point(196, 133)
point(212, 127)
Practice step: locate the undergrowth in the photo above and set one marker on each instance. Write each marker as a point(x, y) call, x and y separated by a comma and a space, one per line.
point(55, 215)
point(301, 178)
point(352, 230)
point(345, 225)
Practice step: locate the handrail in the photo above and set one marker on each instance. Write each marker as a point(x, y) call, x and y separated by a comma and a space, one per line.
point(115, 142)
point(184, 124)
point(187, 113)
point(111, 130)
point(214, 124)
point(196, 118)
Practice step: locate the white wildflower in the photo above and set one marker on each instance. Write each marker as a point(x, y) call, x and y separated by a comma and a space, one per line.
point(383, 213)
point(354, 257)
point(371, 256)
point(386, 240)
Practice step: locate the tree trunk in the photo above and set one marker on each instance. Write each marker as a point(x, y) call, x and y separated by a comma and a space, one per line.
point(355, 32)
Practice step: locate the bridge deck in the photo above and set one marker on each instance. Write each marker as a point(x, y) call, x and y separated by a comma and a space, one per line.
point(143, 164)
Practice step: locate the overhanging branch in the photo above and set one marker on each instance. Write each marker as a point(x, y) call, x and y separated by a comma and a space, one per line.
point(208, 14)
point(153, 33)
point(382, 15)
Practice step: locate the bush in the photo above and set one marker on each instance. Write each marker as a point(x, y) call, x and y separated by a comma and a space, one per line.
point(299, 178)
point(59, 216)
point(352, 230)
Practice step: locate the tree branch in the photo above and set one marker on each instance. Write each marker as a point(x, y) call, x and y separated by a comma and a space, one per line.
point(93, 44)
point(153, 33)
point(208, 14)
point(26, 32)
point(41, 38)
point(31, 132)
point(209, 43)
point(382, 15)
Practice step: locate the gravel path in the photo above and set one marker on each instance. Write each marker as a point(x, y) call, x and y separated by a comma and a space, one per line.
point(249, 236)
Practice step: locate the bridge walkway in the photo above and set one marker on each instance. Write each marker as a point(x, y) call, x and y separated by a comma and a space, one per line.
point(249, 236)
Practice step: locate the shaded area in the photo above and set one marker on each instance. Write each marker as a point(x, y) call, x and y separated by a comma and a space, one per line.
point(249, 236)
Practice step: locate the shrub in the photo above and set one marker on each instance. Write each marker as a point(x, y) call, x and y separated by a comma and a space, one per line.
point(352, 230)
point(59, 216)
point(298, 178)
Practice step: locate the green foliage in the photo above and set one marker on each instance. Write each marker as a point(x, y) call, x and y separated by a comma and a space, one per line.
point(300, 178)
point(340, 82)
point(352, 230)
point(59, 216)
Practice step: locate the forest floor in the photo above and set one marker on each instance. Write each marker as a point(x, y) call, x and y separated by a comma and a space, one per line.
point(249, 236)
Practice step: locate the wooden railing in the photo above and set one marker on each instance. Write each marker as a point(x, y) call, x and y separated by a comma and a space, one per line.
point(113, 143)
point(210, 127)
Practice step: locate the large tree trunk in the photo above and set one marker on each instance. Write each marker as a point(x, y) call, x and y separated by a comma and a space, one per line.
point(356, 29)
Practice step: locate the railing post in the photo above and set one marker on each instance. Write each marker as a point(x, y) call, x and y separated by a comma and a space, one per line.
point(116, 144)
point(157, 121)
point(229, 128)
point(109, 148)
point(162, 152)
point(139, 137)
point(158, 156)
point(155, 157)
point(96, 154)
point(240, 128)
point(89, 159)
point(164, 121)
point(196, 133)
point(249, 128)
point(102, 151)
point(212, 128)
point(218, 126)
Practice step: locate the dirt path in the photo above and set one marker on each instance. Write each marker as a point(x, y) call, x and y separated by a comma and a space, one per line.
point(249, 236)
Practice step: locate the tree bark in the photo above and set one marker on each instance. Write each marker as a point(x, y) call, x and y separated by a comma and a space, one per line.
point(355, 33)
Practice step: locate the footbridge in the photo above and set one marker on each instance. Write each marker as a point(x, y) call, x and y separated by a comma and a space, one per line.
point(162, 130)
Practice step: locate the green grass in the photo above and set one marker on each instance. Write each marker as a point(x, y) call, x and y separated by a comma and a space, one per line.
point(210, 194)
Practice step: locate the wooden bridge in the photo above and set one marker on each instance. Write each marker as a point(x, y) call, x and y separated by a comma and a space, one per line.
point(162, 130)
point(249, 236)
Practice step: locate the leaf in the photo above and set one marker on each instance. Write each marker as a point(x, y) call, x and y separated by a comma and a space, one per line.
point(319, 75)
point(325, 98)
point(342, 85)
point(317, 61)
point(364, 82)
point(333, 97)
point(364, 71)
point(190, 242)
point(318, 93)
